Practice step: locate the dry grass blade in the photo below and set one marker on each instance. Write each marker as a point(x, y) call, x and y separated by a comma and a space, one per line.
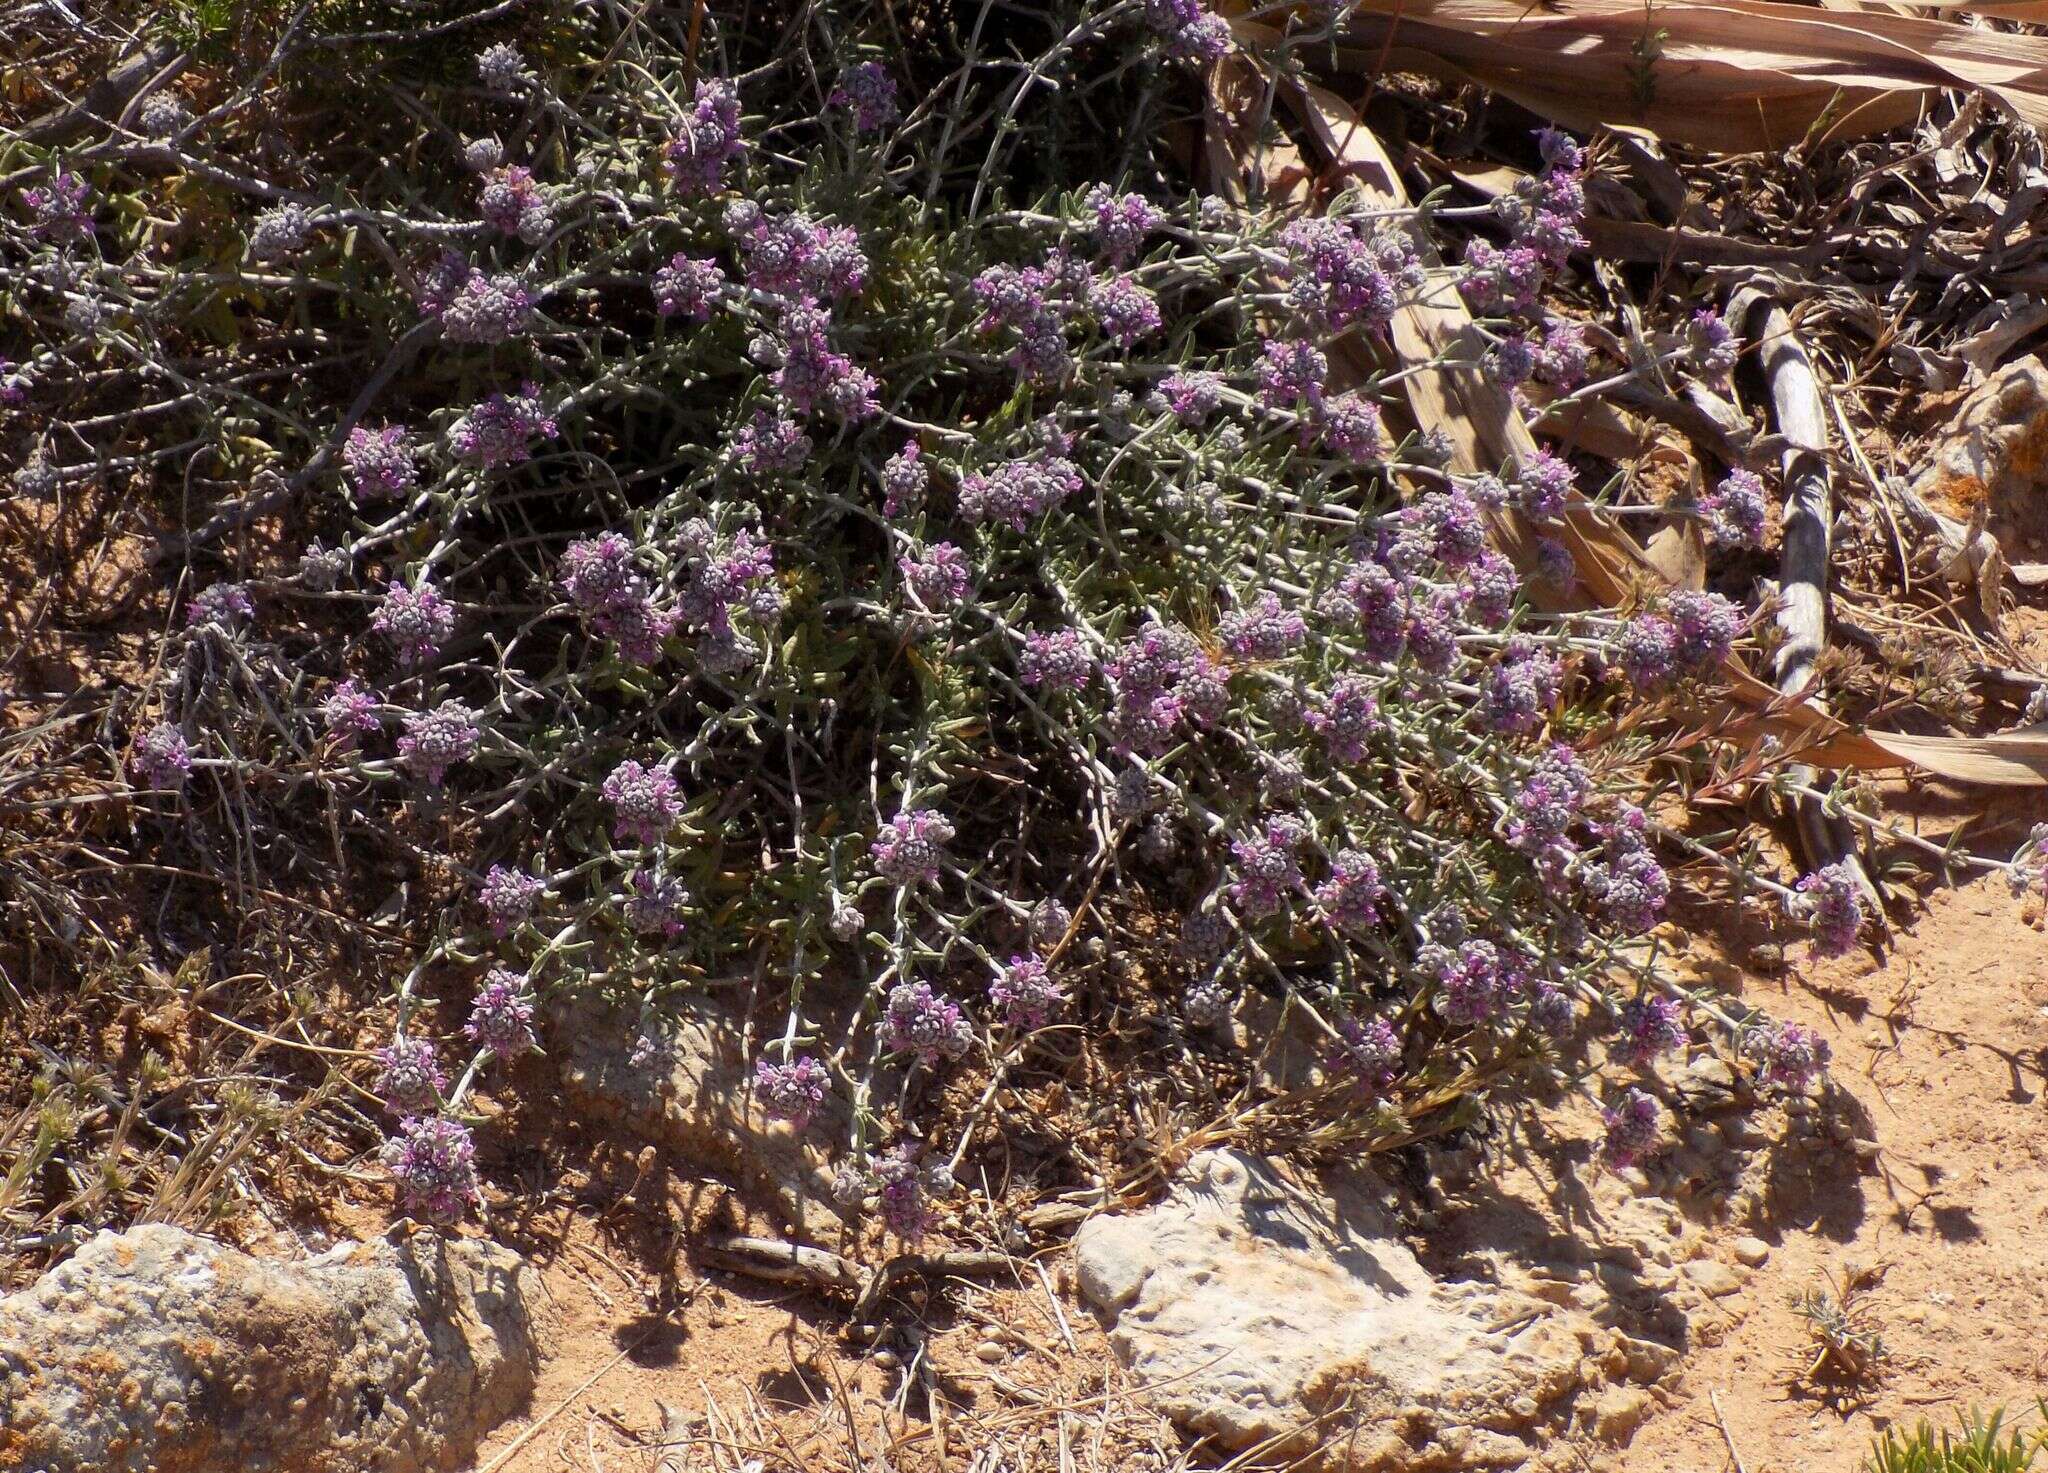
point(1737, 75)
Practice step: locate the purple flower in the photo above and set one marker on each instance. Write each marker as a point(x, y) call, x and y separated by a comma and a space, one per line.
point(911, 850)
point(1349, 429)
point(688, 286)
point(1517, 693)
point(1267, 867)
point(510, 202)
point(1336, 275)
point(1290, 375)
point(1474, 982)
point(1018, 491)
point(1712, 346)
point(1547, 802)
point(902, 1188)
point(1830, 902)
point(1624, 880)
point(1446, 526)
point(1737, 511)
point(1647, 651)
point(938, 576)
point(867, 89)
point(1489, 585)
point(59, 210)
point(379, 463)
point(1122, 221)
point(794, 1091)
point(795, 256)
point(1788, 1056)
point(811, 375)
point(771, 445)
point(1632, 1122)
point(1544, 485)
point(1191, 396)
point(1189, 30)
point(598, 575)
point(1351, 896)
point(499, 431)
point(419, 623)
point(1056, 660)
point(1501, 281)
point(1026, 993)
point(409, 1077)
point(13, 382)
point(644, 802)
point(1649, 1026)
point(436, 740)
point(1368, 1054)
point(709, 139)
point(1563, 358)
point(1511, 361)
point(440, 283)
point(486, 309)
point(918, 1021)
point(160, 758)
point(1124, 310)
point(434, 1162)
point(501, 1019)
point(1264, 631)
point(350, 712)
point(1348, 718)
point(501, 66)
point(281, 231)
point(1706, 625)
point(224, 605)
point(508, 897)
point(654, 905)
point(904, 480)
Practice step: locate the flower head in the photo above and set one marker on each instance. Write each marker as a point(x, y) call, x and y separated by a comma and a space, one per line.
point(437, 740)
point(645, 805)
point(409, 1076)
point(867, 91)
point(434, 1163)
point(794, 1091)
point(501, 1018)
point(160, 758)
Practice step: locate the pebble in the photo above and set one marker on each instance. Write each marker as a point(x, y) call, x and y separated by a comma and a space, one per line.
point(1713, 1276)
point(888, 1360)
point(990, 1352)
point(1752, 1251)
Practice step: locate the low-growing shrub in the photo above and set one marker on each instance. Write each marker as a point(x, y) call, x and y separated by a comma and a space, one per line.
point(819, 497)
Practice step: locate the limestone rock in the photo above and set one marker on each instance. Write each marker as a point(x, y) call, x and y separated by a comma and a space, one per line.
point(1993, 454)
point(1259, 1313)
point(158, 1351)
point(1713, 1277)
point(691, 1094)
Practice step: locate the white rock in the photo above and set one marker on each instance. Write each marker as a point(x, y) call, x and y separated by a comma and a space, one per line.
point(392, 1356)
point(1252, 1309)
point(1753, 1251)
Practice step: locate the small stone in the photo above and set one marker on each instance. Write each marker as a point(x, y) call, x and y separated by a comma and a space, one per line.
point(990, 1352)
point(888, 1360)
point(1713, 1277)
point(1620, 1413)
point(1751, 1251)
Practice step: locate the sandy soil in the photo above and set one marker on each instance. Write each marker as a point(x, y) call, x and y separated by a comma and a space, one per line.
point(1941, 1048)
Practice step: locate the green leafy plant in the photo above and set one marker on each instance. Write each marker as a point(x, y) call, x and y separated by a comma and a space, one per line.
point(1979, 1445)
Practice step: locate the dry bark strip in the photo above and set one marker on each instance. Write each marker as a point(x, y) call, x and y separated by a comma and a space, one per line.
point(820, 1268)
point(1802, 617)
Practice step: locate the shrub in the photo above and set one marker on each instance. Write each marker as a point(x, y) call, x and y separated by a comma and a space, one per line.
point(794, 502)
